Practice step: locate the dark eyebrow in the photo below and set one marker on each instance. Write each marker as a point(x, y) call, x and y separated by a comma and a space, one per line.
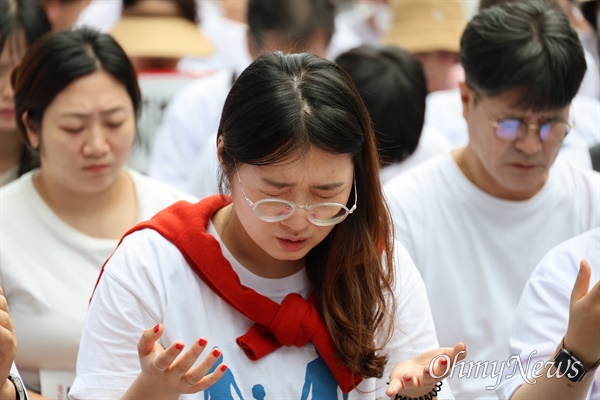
point(284, 185)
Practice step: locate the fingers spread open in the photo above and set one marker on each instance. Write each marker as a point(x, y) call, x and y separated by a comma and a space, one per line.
point(187, 359)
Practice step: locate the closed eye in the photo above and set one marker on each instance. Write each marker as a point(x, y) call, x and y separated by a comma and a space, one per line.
point(115, 125)
point(273, 194)
point(73, 130)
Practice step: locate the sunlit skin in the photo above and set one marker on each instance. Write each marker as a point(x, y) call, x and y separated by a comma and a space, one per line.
point(509, 170)
point(277, 249)
point(85, 138)
point(11, 143)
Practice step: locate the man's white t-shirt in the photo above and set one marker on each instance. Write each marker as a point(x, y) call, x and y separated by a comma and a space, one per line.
point(475, 252)
point(192, 115)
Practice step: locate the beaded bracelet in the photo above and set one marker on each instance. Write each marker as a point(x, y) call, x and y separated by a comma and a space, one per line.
point(428, 396)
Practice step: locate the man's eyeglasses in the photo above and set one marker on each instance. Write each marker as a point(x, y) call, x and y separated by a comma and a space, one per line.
point(511, 128)
point(321, 214)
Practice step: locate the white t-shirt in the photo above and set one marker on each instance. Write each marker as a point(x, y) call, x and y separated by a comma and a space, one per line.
point(147, 281)
point(444, 112)
point(543, 313)
point(192, 115)
point(475, 252)
point(204, 174)
point(48, 270)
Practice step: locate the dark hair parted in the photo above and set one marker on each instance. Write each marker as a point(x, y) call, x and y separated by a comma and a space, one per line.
point(21, 18)
point(60, 58)
point(292, 19)
point(529, 46)
point(279, 108)
point(393, 86)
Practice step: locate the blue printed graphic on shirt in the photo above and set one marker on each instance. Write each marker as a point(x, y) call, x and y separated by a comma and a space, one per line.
point(319, 384)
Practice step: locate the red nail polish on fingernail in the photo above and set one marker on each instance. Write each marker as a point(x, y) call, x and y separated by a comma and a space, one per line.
point(408, 379)
point(179, 346)
point(224, 368)
point(427, 372)
point(216, 353)
point(443, 362)
point(156, 328)
point(202, 342)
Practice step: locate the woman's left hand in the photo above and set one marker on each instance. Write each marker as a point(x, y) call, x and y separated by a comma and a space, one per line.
point(417, 377)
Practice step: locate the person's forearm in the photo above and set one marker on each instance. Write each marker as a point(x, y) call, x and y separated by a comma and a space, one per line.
point(140, 390)
point(550, 386)
point(36, 396)
point(7, 391)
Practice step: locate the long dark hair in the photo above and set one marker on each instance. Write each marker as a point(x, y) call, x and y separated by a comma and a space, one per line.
point(28, 18)
point(280, 107)
point(60, 58)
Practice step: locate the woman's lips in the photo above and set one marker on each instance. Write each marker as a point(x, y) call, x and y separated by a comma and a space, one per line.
point(98, 168)
point(7, 113)
point(291, 245)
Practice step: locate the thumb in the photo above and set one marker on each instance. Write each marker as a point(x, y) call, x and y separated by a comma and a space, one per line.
point(582, 283)
point(147, 342)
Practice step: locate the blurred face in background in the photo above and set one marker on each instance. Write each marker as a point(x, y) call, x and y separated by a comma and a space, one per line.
point(63, 13)
point(11, 143)
point(10, 56)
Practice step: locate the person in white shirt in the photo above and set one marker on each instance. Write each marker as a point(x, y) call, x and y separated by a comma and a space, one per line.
point(559, 309)
point(193, 114)
point(76, 101)
point(478, 220)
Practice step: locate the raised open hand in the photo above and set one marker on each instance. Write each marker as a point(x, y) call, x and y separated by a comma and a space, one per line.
point(171, 372)
point(584, 318)
point(419, 376)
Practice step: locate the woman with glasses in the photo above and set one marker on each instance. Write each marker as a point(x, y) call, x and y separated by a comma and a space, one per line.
point(292, 280)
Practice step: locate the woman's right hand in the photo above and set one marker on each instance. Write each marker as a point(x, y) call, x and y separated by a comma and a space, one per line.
point(167, 373)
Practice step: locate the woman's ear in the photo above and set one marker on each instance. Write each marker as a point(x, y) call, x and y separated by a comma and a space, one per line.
point(32, 130)
point(220, 149)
